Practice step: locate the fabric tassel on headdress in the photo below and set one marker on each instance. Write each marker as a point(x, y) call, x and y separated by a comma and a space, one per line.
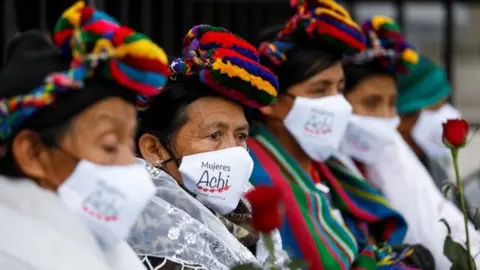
point(324, 22)
point(227, 64)
point(387, 46)
point(90, 38)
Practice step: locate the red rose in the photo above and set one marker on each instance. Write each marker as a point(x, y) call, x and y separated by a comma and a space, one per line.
point(266, 215)
point(455, 132)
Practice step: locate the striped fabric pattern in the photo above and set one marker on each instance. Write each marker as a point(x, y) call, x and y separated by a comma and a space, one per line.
point(324, 22)
point(310, 231)
point(130, 58)
point(15, 110)
point(384, 34)
point(88, 37)
point(227, 64)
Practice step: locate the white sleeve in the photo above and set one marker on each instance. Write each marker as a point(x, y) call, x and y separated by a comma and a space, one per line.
point(13, 263)
point(409, 188)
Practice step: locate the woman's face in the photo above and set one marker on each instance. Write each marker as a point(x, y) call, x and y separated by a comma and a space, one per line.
point(325, 83)
point(374, 96)
point(408, 121)
point(213, 123)
point(210, 123)
point(104, 134)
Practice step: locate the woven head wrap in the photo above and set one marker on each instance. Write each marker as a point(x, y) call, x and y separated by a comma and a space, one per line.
point(387, 46)
point(324, 22)
point(226, 64)
point(91, 40)
point(426, 85)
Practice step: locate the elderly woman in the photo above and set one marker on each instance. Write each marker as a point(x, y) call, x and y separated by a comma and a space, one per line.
point(335, 220)
point(193, 142)
point(422, 106)
point(70, 190)
point(379, 151)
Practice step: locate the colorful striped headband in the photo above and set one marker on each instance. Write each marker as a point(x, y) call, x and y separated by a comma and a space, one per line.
point(386, 45)
point(324, 22)
point(227, 64)
point(90, 37)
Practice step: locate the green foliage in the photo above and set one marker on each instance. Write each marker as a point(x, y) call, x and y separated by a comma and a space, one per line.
point(457, 254)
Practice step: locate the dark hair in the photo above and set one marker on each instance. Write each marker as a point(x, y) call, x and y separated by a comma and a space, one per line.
point(356, 73)
point(48, 136)
point(166, 113)
point(303, 61)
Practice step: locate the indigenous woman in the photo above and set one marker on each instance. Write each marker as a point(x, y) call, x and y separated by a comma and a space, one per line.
point(335, 220)
point(193, 142)
point(422, 106)
point(379, 151)
point(70, 190)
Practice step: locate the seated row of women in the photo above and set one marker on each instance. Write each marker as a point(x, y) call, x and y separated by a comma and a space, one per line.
point(112, 157)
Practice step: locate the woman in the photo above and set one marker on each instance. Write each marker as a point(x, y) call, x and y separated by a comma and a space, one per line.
point(422, 106)
point(302, 130)
point(70, 190)
point(193, 142)
point(371, 89)
point(380, 153)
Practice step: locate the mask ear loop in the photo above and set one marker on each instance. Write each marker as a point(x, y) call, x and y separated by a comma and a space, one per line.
point(172, 157)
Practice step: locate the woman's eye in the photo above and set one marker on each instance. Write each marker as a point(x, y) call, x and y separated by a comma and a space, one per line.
point(371, 104)
point(111, 149)
point(243, 136)
point(110, 143)
point(215, 135)
point(320, 92)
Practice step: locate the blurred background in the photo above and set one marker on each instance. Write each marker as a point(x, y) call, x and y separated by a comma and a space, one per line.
point(447, 31)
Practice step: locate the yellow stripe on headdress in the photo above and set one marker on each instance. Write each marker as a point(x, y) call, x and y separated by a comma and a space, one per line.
point(236, 71)
point(410, 55)
point(335, 7)
point(143, 48)
point(378, 21)
point(346, 20)
point(73, 15)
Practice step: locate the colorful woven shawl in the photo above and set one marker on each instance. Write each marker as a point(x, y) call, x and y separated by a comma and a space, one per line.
point(310, 230)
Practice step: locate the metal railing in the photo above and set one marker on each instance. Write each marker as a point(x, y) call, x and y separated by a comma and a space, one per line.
point(166, 21)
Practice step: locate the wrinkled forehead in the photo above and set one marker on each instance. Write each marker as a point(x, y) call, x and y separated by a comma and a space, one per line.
point(215, 112)
point(111, 112)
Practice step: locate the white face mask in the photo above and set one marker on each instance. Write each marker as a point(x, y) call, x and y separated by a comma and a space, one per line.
point(428, 130)
point(366, 137)
point(318, 124)
point(218, 178)
point(108, 198)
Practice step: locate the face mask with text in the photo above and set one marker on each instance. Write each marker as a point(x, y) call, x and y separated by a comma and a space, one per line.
point(109, 199)
point(318, 124)
point(218, 178)
point(367, 136)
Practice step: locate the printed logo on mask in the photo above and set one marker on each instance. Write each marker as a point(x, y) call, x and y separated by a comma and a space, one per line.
point(215, 178)
point(105, 203)
point(358, 139)
point(319, 122)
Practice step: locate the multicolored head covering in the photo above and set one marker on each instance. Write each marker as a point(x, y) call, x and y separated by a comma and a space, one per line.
point(386, 45)
point(38, 74)
point(323, 22)
point(227, 64)
point(424, 86)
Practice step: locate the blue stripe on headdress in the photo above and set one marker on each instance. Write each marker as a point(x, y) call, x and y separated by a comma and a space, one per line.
point(145, 77)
